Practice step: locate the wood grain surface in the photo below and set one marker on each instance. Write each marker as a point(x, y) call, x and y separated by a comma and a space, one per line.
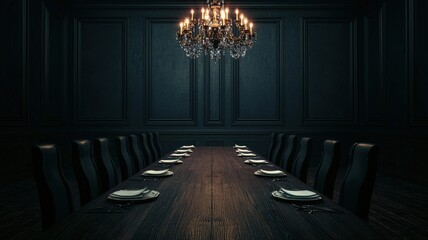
point(212, 195)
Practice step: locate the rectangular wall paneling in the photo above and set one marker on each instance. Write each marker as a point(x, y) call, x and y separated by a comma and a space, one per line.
point(329, 58)
point(417, 72)
point(14, 82)
point(258, 78)
point(170, 80)
point(100, 71)
point(375, 88)
point(214, 92)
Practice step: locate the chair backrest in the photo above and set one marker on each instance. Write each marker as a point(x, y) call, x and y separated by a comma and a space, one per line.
point(287, 157)
point(107, 170)
point(124, 159)
point(276, 155)
point(54, 193)
point(327, 170)
point(272, 146)
point(301, 164)
point(85, 170)
point(156, 143)
point(357, 186)
point(152, 147)
point(148, 154)
point(137, 156)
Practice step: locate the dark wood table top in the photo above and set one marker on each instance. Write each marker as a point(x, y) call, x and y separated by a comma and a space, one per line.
point(212, 195)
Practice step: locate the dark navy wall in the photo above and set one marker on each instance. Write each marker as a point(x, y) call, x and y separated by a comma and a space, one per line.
point(324, 69)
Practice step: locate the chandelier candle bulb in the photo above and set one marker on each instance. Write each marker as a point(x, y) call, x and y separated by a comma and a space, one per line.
point(227, 13)
point(192, 12)
point(242, 19)
point(181, 27)
point(245, 23)
point(251, 28)
point(237, 14)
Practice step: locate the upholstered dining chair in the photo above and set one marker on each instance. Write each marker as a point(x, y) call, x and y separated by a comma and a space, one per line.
point(126, 168)
point(136, 154)
point(276, 155)
point(301, 164)
point(357, 186)
point(148, 153)
point(54, 193)
point(286, 160)
point(325, 175)
point(156, 143)
point(85, 170)
point(108, 172)
point(152, 147)
point(271, 146)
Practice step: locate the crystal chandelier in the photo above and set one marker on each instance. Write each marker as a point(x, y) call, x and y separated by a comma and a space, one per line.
point(213, 32)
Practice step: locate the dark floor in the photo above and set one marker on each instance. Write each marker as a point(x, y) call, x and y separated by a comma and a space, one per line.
point(399, 209)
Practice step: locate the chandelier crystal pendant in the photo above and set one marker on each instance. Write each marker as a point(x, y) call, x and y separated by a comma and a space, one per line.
point(213, 32)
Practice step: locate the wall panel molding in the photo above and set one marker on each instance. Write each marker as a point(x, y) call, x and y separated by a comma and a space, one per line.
point(190, 64)
point(278, 118)
point(352, 99)
point(219, 94)
point(21, 118)
point(380, 96)
point(49, 117)
point(414, 79)
point(83, 115)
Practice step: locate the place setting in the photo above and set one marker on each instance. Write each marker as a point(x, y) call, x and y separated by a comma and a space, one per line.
point(296, 195)
point(270, 173)
point(123, 199)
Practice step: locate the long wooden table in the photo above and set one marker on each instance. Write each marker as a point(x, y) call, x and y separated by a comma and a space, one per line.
point(212, 195)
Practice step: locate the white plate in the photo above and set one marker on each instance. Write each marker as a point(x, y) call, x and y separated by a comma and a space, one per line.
point(239, 146)
point(149, 195)
point(128, 192)
point(183, 150)
point(288, 198)
point(170, 161)
point(188, 146)
point(246, 155)
point(279, 174)
point(243, 151)
point(179, 155)
point(256, 161)
point(156, 173)
point(299, 193)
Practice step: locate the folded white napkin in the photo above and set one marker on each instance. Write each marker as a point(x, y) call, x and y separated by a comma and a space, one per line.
point(246, 155)
point(170, 161)
point(239, 150)
point(239, 146)
point(299, 193)
point(255, 161)
point(155, 172)
point(180, 155)
point(183, 150)
point(188, 146)
point(128, 192)
point(271, 172)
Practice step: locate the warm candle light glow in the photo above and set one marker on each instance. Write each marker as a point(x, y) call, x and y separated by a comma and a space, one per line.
point(213, 33)
point(251, 28)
